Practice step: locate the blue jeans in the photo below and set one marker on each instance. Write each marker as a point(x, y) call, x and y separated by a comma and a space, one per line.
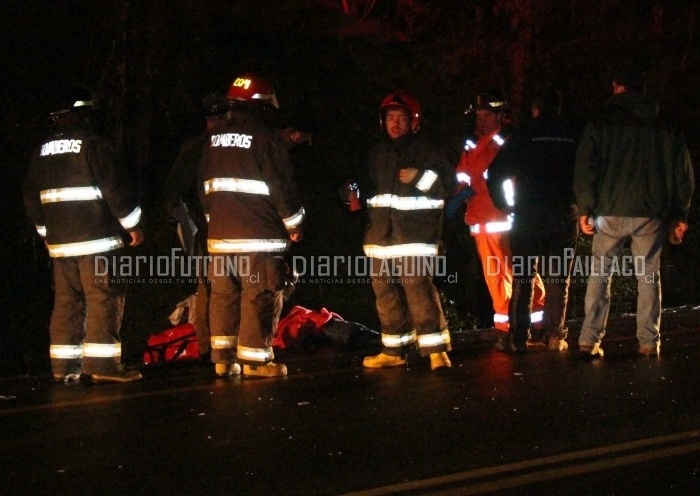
point(647, 237)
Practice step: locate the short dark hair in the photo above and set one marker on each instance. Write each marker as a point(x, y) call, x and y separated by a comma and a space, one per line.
point(548, 100)
point(630, 76)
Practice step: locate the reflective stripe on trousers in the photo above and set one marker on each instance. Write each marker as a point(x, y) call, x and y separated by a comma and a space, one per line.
point(224, 342)
point(396, 344)
point(258, 355)
point(440, 341)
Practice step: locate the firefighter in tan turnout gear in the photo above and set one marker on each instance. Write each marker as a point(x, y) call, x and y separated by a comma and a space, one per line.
point(249, 198)
point(408, 183)
point(84, 207)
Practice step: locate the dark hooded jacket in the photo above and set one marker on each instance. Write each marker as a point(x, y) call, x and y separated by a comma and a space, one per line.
point(631, 162)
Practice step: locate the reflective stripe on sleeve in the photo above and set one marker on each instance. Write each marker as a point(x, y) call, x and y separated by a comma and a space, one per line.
point(70, 194)
point(234, 185)
point(463, 177)
point(132, 219)
point(294, 220)
point(85, 247)
point(247, 245)
point(509, 192)
point(102, 350)
point(427, 180)
point(404, 250)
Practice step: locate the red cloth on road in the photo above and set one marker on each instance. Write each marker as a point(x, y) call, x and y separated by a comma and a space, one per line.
point(299, 323)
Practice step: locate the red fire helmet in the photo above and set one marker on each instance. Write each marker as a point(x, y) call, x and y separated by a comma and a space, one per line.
point(404, 100)
point(251, 88)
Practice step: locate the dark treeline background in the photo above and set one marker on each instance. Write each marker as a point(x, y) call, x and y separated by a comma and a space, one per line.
point(331, 61)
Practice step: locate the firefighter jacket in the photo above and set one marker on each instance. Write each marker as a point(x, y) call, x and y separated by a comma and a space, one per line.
point(77, 196)
point(632, 163)
point(482, 216)
point(541, 160)
point(406, 219)
point(247, 187)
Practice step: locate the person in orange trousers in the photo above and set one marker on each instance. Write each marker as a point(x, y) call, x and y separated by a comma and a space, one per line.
point(488, 225)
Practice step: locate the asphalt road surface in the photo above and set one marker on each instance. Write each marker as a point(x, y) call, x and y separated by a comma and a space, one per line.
point(541, 423)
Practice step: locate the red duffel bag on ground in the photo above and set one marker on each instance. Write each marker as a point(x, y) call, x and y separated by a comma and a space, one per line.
point(178, 343)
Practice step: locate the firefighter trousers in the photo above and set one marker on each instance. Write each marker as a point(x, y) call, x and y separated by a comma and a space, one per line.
point(409, 308)
point(87, 315)
point(246, 302)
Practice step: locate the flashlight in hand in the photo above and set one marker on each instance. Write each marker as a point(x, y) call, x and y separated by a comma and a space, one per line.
point(350, 193)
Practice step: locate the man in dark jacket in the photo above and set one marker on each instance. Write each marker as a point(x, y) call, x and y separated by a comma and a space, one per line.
point(409, 183)
point(249, 197)
point(540, 160)
point(83, 205)
point(633, 181)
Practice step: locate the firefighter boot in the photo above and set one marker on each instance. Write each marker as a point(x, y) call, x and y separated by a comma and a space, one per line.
point(269, 369)
point(439, 361)
point(118, 376)
point(556, 343)
point(504, 342)
point(70, 379)
point(227, 369)
point(383, 360)
point(589, 352)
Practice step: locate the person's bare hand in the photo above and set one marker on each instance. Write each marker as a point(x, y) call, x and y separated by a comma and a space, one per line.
point(677, 231)
point(137, 236)
point(407, 175)
point(586, 224)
